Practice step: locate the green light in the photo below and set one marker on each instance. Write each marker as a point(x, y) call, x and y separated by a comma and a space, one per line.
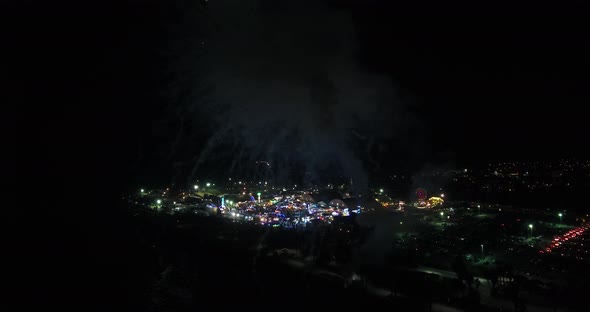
point(258, 193)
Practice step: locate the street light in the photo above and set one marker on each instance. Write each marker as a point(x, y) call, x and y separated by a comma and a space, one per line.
point(142, 190)
point(479, 208)
point(381, 190)
point(196, 187)
point(531, 228)
point(159, 201)
point(208, 184)
point(442, 195)
point(258, 196)
point(482, 250)
point(560, 217)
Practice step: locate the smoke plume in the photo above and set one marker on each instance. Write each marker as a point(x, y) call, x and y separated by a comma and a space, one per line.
point(287, 89)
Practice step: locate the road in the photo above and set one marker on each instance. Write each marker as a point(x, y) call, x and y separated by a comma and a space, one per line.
point(371, 289)
point(493, 303)
point(501, 304)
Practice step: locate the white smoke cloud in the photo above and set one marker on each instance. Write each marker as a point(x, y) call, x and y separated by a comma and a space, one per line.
point(288, 89)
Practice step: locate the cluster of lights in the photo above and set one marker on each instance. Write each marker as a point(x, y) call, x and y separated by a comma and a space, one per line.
point(560, 240)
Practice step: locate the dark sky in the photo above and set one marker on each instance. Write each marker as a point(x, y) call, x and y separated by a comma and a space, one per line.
point(386, 84)
point(497, 87)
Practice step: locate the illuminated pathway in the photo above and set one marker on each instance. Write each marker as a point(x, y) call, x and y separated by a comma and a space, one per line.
point(570, 237)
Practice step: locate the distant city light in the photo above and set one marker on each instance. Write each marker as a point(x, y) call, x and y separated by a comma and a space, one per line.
point(142, 190)
point(442, 195)
point(381, 190)
point(196, 187)
point(530, 226)
point(208, 184)
point(159, 201)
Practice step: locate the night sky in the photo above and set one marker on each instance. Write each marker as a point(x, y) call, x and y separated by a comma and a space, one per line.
point(156, 92)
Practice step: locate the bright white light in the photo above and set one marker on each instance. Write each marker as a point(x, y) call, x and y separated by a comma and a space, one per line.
point(442, 195)
point(381, 190)
point(158, 201)
point(196, 187)
point(208, 184)
point(142, 190)
point(530, 226)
